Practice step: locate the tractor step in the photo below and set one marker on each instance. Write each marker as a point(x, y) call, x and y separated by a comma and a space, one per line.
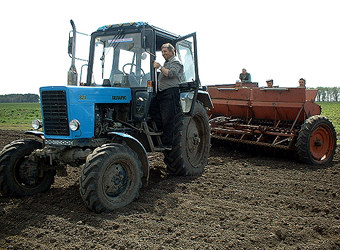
point(156, 133)
point(163, 148)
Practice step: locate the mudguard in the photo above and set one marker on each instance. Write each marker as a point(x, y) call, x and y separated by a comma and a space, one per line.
point(204, 97)
point(39, 134)
point(136, 146)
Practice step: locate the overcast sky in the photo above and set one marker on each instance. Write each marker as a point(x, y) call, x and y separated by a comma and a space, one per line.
point(279, 39)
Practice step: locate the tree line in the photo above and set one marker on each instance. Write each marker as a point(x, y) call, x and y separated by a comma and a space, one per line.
point(325, 94)
point(11, 98)
point(328, 94)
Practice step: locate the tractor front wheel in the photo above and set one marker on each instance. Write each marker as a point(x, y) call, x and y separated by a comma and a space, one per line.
point(19, 174)
point(316, 142)
point(111, 178)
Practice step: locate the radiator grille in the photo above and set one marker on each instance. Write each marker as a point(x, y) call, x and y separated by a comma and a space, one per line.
point(54, 106)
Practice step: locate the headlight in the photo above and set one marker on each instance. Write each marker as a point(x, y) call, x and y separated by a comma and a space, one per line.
point(36, 124)
point(74, 125)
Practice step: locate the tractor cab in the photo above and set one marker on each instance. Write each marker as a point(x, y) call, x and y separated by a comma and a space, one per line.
point(123, 55)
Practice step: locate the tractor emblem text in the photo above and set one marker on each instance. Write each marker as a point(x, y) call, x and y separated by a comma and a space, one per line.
point(119, 97)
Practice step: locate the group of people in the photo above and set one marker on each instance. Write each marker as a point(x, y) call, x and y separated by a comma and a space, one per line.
point(245, 77)
point(302, 83)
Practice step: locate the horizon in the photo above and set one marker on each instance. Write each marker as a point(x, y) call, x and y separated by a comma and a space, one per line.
point(205, 85)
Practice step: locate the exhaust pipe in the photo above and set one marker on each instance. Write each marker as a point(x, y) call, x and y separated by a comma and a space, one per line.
point(72, 75)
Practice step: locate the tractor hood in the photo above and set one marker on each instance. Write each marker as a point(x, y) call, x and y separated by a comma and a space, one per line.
point(62, 104)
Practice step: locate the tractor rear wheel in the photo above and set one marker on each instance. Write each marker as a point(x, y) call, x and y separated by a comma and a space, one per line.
point(191, 145)
point(20, 175)
point(316, 141)
point(111, 178)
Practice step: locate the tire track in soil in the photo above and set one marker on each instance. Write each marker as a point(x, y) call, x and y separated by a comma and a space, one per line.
point(240, 201)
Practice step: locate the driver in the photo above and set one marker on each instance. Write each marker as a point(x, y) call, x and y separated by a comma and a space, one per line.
point(166, 103)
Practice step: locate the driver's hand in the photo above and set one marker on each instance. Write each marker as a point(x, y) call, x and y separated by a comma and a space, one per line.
point(156, 65)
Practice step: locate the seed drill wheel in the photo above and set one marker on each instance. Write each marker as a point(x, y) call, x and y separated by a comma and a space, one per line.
point(191, 145)
point(316, 142)
point(111, 178)
point(19, 174)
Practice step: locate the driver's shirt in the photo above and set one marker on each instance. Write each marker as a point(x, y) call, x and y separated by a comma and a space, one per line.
point(175, 76)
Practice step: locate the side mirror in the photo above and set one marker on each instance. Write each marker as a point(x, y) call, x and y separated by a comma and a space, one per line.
point(147, 39)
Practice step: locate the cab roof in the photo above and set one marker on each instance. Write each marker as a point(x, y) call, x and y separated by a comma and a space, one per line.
point(136, 25)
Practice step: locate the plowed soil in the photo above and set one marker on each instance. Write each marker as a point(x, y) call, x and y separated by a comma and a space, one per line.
point(242, 201)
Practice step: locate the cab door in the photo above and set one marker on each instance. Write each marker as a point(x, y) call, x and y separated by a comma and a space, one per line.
point(186, 48)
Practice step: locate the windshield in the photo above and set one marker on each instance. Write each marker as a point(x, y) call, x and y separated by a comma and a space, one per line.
point(119, 60)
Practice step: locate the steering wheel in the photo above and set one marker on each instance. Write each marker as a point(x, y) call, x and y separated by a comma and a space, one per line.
point(138, 81)
point(132, 64)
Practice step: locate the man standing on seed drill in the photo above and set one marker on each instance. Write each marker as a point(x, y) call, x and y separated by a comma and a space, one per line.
point(245, 76)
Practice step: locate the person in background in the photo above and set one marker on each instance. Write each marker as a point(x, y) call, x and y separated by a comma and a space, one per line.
point(245, 76)
point(166, 103)
point(302, 83)
point(270, 83)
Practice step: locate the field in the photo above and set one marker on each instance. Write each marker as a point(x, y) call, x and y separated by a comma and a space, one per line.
point(18, 115)
point(243, 200)
point(332, 111)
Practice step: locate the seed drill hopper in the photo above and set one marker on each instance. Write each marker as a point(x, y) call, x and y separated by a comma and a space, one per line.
point(285, 118)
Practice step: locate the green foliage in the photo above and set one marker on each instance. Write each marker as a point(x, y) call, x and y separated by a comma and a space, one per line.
point(19, 98)
point(18, 115)
point(332, 111)
point(328, 94)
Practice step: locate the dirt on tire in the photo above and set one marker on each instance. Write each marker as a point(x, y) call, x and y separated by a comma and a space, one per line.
point(241, 201)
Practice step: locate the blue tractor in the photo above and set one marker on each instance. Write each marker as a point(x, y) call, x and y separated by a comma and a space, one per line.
point(103, 125)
